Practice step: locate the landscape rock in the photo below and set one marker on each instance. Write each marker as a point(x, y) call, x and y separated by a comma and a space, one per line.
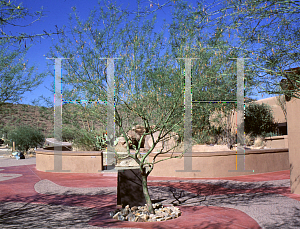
point(121, 141)
point(134, 208)
point(168, 142)
point(116, 216)
point(130, 217)
point(134, 137)
point(141, 213)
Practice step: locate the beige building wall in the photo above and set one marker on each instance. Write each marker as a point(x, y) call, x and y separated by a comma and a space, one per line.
point(273, 102)
point(293, 112)
point(278, 113)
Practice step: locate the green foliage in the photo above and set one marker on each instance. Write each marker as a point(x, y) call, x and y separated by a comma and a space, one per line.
point(68, 133)
point(88, 141)
point(12, 13)
point(4, 131)
point(101, 143)
point(259, 120)
point(84, 140)
point(15, 70)
point(266, 32)
point(26, 137)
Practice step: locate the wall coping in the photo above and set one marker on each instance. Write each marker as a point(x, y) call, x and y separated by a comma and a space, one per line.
point(223, 153)
point(276, 137)
point(70, 153)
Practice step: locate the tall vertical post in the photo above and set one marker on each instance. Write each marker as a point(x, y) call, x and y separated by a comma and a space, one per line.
point(188, 144)
point(57, 118)
point(110, 150)
point(240, 153)
point(110, 110)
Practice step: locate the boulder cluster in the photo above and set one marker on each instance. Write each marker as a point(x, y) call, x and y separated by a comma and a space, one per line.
point(136, 133)
point(141, 213)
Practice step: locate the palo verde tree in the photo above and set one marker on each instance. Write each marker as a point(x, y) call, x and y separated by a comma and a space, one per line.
point(268, 33)
point(108, 32)
point(149, 81)
point(16, 75)
point(214, 73)
point(16, 15)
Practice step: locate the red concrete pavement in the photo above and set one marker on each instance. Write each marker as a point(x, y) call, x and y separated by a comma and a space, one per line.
point(21, 189)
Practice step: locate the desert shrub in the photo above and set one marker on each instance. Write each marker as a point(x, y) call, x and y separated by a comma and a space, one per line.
point(88, 141)
point(69, 133)
point(259, 120)
point(4, 131)
point(249, 140)
point(26, 137)
point(259, 141)
point(84, 140)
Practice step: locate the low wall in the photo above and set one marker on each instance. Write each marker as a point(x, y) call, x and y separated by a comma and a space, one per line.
point(217, 164)
point(277, 142)
point(76, 162)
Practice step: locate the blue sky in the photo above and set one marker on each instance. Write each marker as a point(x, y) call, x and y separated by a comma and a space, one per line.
point(57, 14)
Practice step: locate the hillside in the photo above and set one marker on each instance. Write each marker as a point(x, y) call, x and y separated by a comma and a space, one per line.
point(42, 118)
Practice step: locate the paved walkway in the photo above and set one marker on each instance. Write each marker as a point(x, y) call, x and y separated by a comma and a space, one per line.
point(35, 199)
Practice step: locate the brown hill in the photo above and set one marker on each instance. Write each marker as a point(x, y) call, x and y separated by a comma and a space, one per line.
point(89, 117)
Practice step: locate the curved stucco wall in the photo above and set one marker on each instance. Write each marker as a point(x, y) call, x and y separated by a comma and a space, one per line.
point(76, 162)
point(217, 164)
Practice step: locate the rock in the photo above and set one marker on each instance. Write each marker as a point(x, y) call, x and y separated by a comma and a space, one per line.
point(169, 141)
point(125, 212)
point(130, 217)
point(134, 137)
point(121, 217)
point(145, 217)
point(152, 220)
point(116, 216)
point(139, 219)
point(140, 130)
point(168, 210)
point(134, 208)
point(121, 141)
point(156, 205)
point(141, 214)
point(168, 217)
point(124, 160)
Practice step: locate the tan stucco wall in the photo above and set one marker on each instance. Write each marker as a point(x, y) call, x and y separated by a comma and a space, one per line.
point(76, 162)
point(293, 113)
point(214, 165)
point(278, 113)
point(277, 142)
point(277, 110)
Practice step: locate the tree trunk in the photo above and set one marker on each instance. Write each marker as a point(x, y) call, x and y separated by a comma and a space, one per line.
point(146, 193)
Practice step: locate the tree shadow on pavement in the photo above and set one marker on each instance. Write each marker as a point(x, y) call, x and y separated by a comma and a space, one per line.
point(51, 211)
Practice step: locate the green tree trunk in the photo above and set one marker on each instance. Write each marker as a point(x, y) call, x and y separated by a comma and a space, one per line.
point(146, 192)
